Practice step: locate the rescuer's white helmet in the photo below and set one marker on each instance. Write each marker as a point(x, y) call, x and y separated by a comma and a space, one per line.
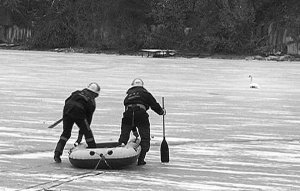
point(94, 87)
point(137, 82)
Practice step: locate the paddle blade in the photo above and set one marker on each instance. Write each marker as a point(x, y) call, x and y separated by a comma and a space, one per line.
point(164, 151)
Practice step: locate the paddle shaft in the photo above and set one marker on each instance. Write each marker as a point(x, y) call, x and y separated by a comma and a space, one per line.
point(163, 104)
point(56, 123)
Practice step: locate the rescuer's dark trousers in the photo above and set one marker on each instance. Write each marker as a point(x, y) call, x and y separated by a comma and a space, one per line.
point(84, 127)
point(136, 118)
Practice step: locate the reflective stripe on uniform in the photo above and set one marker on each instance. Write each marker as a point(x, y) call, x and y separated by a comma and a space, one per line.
point(87, 125)
point(90, 140)
point(64, 138)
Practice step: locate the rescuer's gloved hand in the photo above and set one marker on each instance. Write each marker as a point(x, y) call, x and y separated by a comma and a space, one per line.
point(165, 111)
point(136, 134)
point(78, 141)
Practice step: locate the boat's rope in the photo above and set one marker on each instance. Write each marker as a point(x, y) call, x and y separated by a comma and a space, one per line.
point(109, 152)
point(102, 157)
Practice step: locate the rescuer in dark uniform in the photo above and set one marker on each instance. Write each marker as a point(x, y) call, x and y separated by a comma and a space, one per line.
point(79, 108)
point(137, 102)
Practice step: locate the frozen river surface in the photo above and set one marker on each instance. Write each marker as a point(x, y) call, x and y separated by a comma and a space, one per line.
point(222, 135)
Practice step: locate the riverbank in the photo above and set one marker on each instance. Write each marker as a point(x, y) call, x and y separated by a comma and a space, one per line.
point(182, 54)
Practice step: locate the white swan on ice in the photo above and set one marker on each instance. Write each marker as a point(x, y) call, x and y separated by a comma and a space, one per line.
point(253, 85)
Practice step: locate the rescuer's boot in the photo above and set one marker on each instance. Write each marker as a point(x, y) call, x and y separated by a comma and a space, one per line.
point(141, 160)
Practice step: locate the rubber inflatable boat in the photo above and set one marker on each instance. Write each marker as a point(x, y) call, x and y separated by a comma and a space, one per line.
point(107, 155)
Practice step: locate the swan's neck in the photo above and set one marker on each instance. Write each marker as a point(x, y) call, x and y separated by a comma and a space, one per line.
point(250, 79)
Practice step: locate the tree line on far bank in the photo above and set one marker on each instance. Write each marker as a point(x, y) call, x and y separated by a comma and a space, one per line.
point(227, 26)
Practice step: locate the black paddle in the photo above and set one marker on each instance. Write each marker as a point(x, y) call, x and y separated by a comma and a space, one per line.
point(164, 148)
point(56, 123)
